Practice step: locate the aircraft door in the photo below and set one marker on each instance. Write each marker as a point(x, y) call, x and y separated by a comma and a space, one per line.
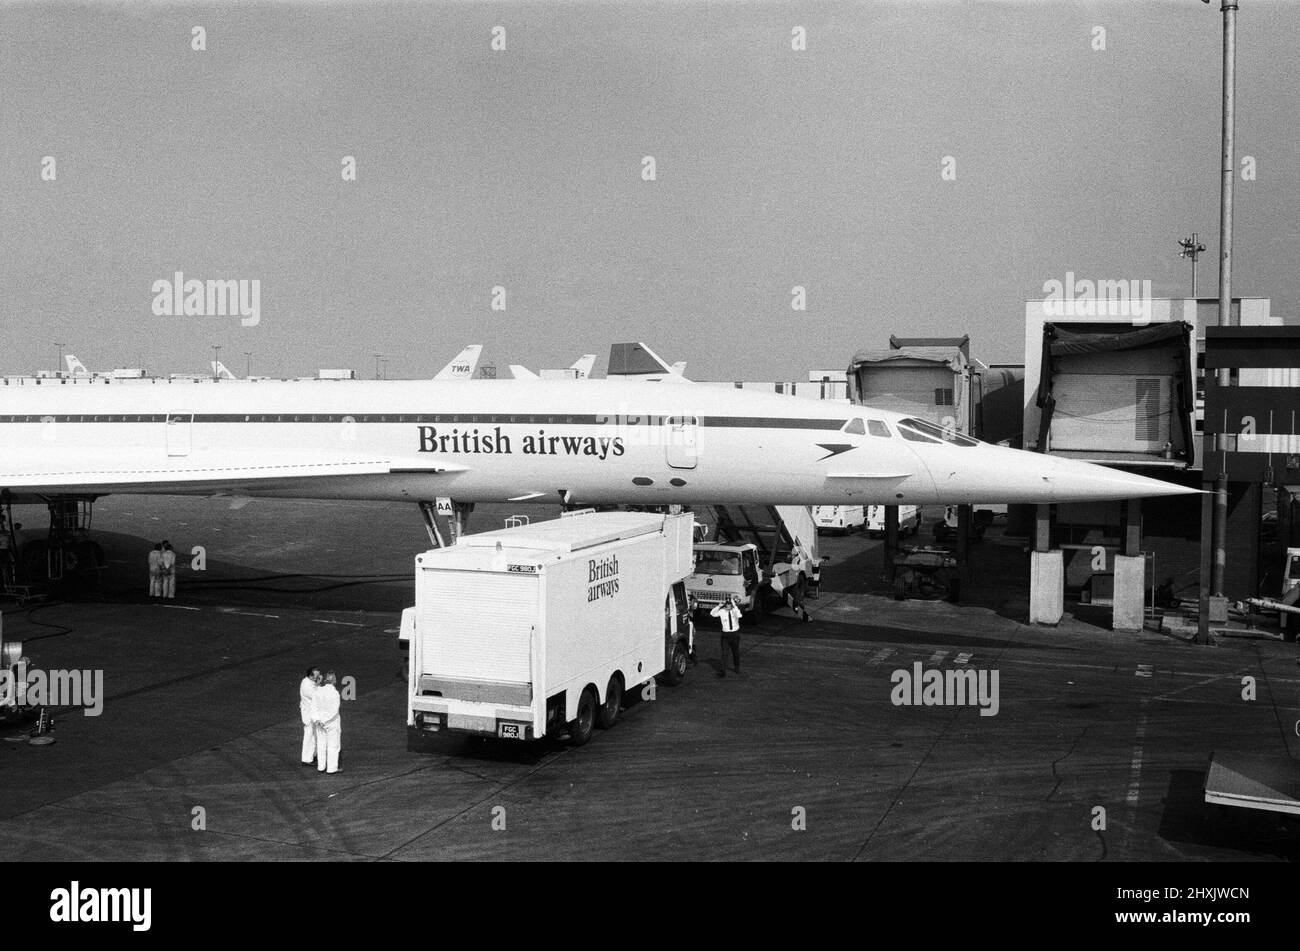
point(178, 433)
point(683, 435)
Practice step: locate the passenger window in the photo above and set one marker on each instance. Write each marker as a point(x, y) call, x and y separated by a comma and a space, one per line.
point(878, 428)
point(855, 428)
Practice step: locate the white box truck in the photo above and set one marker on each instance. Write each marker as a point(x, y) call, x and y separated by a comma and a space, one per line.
point(538, 630)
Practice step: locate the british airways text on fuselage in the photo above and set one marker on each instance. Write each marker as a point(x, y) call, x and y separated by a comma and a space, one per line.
point(541, 443)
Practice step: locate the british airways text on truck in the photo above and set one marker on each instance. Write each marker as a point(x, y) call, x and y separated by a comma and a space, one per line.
point(539, 630)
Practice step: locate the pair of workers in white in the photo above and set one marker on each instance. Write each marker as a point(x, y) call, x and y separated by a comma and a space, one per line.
point(322, 724)
point(162, 571)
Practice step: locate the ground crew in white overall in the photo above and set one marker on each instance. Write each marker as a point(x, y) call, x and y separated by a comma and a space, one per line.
point(307, 710)
point(168, 570)
point(329, 731)
point(728, 612)
point(155, 571)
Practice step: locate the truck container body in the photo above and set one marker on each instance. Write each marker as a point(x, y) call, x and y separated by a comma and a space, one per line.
point(512, 629)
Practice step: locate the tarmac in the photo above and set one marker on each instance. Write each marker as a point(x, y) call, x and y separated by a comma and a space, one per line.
point(1097, 752)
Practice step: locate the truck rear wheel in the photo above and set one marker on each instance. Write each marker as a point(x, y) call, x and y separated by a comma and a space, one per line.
point(581, 727)
point(675, 672)
point(608, 711)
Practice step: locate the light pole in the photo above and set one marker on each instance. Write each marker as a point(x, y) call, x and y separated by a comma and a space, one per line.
point(216, 361)
point(59, 360)
point(1219, 507)
point(385, 361)
point(377, 356)
point(248, 363)
point(1192, 248)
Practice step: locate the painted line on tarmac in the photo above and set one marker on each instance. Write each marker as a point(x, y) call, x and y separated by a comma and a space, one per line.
point(1199, 683)
point(321, 620)
point(1144, 670)
point(963, 658)
point(181, 607)
point(937, 657)
point(1135, 766)
point(252, 614)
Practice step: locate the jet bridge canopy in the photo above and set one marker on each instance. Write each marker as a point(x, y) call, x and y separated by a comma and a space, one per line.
point(1113, 393)
point(930, 382)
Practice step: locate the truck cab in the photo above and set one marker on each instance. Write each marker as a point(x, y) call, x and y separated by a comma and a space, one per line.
point(722, 571)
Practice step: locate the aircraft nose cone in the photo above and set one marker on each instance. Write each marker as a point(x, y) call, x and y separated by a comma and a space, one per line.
point(1074, 481)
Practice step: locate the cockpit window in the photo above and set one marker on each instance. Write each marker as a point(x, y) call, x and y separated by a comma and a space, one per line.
point(855, 428)
point(877, 428)
point(920, 430)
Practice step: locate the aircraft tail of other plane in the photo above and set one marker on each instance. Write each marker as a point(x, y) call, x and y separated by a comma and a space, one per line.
point(220, 372)
point(636, 361)
point(582, 367)
point(75, 366)
point(462, 365)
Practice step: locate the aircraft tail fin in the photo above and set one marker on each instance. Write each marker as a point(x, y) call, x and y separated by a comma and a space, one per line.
point(462, 365)
point(636, 361)
point(75, 366)
point(220, 372)
point(522, 373)
point(583, 365)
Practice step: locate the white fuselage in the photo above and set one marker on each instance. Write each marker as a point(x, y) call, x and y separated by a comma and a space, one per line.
point(599, 441)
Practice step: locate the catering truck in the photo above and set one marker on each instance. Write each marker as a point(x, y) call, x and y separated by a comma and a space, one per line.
point(539, 630)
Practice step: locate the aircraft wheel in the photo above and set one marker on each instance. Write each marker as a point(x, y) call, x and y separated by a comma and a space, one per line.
point(608, 712)
point(581, 728)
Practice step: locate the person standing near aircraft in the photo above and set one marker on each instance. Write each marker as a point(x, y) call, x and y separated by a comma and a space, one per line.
point(155, 571)
point(728, 612)
point(329, 731)
point(168, 570)
point(307, 710)
point(789, 593)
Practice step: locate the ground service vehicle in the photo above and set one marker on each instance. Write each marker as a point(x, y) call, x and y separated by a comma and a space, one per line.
point(840, 518)
point(722, 571)
point(926, 572)
point(539, 629)
point(909, 519)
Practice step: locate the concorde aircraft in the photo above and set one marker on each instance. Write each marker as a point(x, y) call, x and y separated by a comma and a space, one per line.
point(606, 441)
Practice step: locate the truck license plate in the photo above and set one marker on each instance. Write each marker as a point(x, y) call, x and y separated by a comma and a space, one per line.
point(510, 731)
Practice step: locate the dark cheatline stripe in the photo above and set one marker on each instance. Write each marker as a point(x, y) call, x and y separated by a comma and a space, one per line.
point(434, 419)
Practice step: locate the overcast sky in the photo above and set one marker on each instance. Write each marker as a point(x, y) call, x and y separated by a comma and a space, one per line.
point(523, 169)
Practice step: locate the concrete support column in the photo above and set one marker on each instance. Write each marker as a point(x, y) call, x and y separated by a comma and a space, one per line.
point(1130, 593)
point(1046, 587)
point(1046, 573)
point(1133, 527)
